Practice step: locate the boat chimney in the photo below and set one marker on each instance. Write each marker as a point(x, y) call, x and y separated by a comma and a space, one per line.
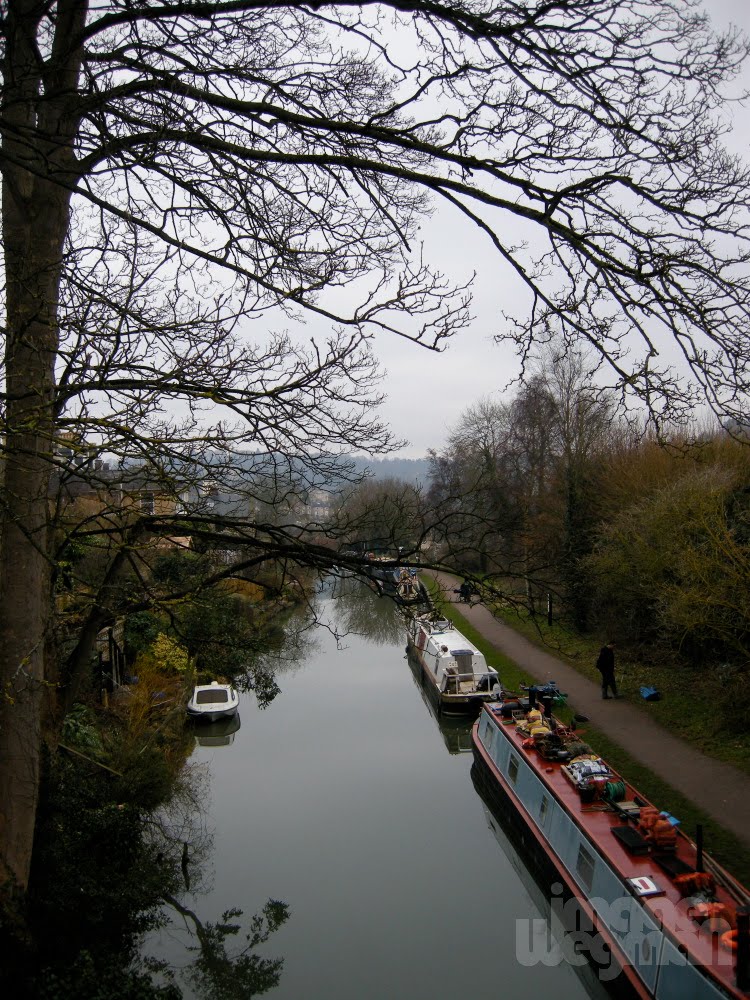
point(699, 847)
point(532, 696)
point(743, 948)
point(547, 702)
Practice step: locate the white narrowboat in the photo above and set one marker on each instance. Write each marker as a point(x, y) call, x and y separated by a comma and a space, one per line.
point(455, 671)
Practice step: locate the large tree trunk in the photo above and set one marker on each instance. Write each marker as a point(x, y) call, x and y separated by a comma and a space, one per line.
point(38, 131)
point(25, 574)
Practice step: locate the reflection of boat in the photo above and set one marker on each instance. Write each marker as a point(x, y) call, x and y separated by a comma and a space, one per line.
point(219, 733)
point(653, 911)
point(551, 942)
point(453, 666)
point(213, 701)
point(455, 729)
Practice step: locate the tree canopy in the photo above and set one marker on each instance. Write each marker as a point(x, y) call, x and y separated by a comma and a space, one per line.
point(179, 175)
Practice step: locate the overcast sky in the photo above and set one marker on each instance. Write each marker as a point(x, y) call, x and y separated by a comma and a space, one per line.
point(427, 392)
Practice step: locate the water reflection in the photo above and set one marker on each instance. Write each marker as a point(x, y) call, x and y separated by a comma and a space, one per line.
point(294, 643)
point(339, 799)
point(455, 730)
point(546, 934)
point(226, 966)
point(106, 873)
point(217, 734)
point(365, 613)
point(224, 960)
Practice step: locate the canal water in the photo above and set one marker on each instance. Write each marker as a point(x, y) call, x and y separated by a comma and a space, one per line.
point(348, 800)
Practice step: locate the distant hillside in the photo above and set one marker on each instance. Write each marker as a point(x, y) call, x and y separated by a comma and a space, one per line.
point(411, 470)
point(323, 470)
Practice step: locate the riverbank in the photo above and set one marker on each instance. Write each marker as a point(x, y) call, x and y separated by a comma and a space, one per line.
point(668, 770)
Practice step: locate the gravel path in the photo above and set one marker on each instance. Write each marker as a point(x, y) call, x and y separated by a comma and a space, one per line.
point(720, 790)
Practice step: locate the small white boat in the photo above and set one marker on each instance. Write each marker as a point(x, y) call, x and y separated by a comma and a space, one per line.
point(213, 701)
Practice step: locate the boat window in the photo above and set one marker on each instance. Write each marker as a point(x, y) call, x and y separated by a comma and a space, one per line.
point(513, 768)
point(585, 866)
point(488, 733)
point(212, 696)
point(543, 806)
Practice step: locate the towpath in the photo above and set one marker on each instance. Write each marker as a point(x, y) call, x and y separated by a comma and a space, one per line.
point(720, 790)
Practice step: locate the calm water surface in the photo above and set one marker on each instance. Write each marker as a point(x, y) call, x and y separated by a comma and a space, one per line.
point(347, 800)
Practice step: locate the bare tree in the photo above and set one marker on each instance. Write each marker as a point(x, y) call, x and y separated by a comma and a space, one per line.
point(583, 420)
point(172, 169)
point(518, 479)
point(380, 514)
point(470, 485)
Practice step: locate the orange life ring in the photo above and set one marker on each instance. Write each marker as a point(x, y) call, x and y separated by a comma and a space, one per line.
point(729, 940)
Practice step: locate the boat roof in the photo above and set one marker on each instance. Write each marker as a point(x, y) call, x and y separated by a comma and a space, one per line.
point(598, 819)
point(455, 641)
point(441, 626)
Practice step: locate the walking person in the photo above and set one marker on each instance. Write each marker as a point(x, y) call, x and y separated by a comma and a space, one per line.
point(605, 664)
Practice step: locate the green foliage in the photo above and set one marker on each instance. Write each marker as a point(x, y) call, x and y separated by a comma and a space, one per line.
point(735, 703)
point(581, 489)
point(169, 656)
point(226, 637)
point(88, 978)
point(148, 775)
point(80, 731)
point(177, 570)
point(218, 631)
point(674, 568)
point(96, 884)
point(141, 630)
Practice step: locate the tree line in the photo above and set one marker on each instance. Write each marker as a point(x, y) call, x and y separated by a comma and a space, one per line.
point(635, 536)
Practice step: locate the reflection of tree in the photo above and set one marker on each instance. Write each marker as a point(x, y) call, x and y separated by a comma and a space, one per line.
point(217, 974)
point(103, 872)
point(359, 610)
point(178, 832)
point(292, 644)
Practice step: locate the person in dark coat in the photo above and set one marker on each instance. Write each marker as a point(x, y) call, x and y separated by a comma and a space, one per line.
point(605, 664)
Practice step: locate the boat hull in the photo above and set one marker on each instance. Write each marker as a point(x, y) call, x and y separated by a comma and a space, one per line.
point(212, 716)
point(573, 917)
point(635, 917)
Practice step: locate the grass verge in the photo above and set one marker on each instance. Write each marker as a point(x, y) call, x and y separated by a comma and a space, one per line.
point(694, 703)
